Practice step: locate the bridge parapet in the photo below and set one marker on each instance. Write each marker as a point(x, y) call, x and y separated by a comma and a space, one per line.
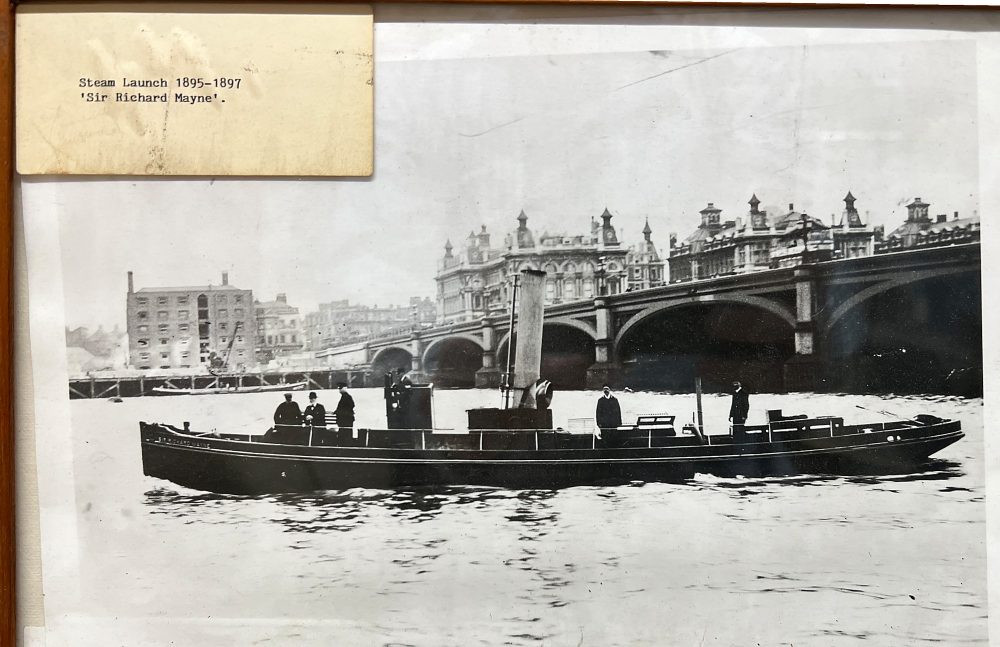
point(810, 299)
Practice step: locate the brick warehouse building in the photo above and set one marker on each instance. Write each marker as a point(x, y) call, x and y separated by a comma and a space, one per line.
point(211, 326)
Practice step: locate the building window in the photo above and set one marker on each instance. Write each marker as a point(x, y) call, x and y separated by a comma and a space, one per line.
point(294, 340)
point(164, 341)
point(184, 341)
point(164, 355)
point(238, 298)
point(182, 301)
point(185, 354)
point(270, 340)
point(142, 315)
point(238, 312)
point(163, 328)
point(223, 326)
point(223, 312)
point(162, 314)
point(143, 355)
point(142, 343)
point(239, 339)
point(221, 299)
point(142, 328)
point(162, 301)
point(182, 314)
point(183, 328)
point(240, 353)
point(141, 301)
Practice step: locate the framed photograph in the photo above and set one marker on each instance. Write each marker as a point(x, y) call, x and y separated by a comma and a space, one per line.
point(501, 324)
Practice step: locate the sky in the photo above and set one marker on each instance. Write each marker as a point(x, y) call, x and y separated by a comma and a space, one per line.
point(472, 140)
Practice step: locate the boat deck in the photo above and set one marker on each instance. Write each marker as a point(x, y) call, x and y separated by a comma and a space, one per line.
point(633, 437)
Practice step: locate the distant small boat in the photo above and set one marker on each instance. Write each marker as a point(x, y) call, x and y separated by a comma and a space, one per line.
point(222, 390)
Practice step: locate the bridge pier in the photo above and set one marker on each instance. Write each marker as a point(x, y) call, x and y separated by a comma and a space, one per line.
point(802, 371)
point(488, 377)
point(416, 374)
point(604, 370)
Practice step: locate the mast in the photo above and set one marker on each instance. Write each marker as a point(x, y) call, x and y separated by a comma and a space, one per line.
point(699, 427)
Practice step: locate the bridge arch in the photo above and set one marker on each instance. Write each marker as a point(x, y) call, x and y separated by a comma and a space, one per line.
point(434, 345)
point(667, 345)
point(920, 332)
point(452, 360)
point(567, 352)
point(775, 308)
point(569, 322)
point(390, 358)
point(852, 302)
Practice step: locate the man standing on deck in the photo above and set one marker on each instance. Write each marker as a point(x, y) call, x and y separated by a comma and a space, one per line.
point(738, 411)
point(286, 416)
point(345, 413)
point(315, 416)
point(609, 412)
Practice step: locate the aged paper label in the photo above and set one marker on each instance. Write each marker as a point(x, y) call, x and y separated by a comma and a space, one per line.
point(183, 89)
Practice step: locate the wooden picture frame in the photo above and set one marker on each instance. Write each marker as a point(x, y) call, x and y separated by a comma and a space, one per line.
point(8, 495)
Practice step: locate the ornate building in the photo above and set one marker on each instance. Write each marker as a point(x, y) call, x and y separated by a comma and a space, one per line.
point(279, 329)
point(645, 267)
point(759, 241)
point(185, 327)
point(474, 282)
point(921, 231)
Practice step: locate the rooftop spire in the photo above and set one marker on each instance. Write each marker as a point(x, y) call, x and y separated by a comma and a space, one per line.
point(646, 231)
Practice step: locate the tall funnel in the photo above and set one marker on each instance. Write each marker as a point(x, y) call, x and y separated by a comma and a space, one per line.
point(528, 356)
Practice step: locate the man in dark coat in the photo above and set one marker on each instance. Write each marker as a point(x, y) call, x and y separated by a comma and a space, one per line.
point(287, 416)
point(609, 412)
point(288, 412)
point(738, 411)
point(315, 416)
point(345, 412)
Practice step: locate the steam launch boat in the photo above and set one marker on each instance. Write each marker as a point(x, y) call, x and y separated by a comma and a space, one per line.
point(516, 445)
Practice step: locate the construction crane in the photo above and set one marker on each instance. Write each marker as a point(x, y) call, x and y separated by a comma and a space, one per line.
point(214, 361)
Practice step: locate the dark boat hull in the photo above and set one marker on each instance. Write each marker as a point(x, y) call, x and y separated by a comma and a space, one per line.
point(242, 467)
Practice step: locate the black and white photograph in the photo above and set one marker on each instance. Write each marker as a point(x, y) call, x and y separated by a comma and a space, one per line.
point(651, 327)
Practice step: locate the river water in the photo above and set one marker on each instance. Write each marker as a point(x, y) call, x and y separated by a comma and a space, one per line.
point(806, 560)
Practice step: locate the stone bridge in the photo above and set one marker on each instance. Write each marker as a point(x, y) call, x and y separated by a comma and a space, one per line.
point(815, 326)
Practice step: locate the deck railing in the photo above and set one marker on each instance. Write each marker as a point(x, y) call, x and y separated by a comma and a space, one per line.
point(540, 439)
